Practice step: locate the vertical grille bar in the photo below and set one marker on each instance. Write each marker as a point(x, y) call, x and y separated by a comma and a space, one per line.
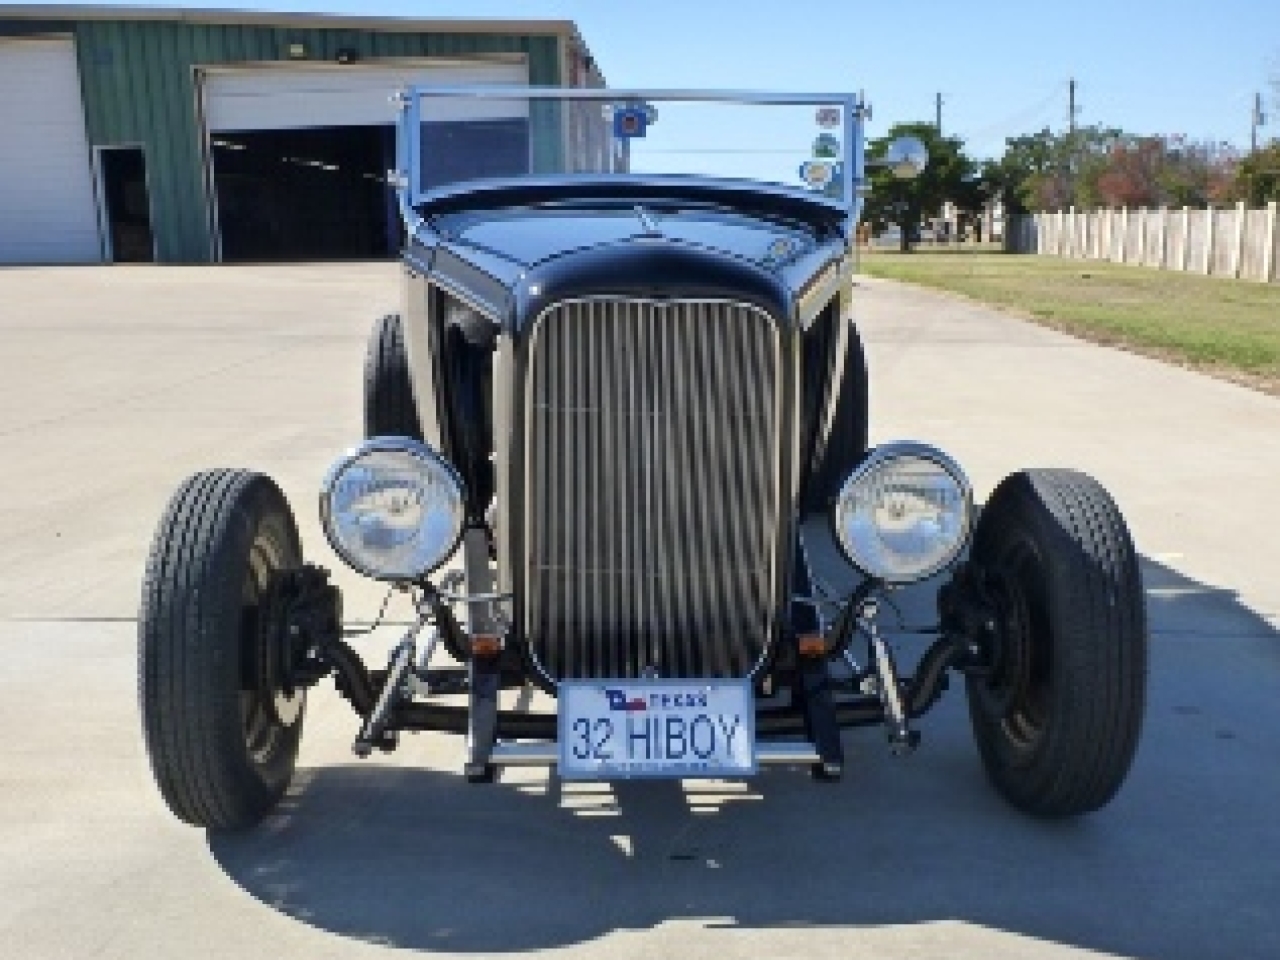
point(653, 488)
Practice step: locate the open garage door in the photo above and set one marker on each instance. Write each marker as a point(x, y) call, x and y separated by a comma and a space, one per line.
point(47, 210)
point(300, 153)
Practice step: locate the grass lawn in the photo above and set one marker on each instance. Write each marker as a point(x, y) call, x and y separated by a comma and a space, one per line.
point(1227, 327)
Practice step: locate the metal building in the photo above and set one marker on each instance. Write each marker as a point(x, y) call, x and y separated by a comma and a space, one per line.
point(188, 136)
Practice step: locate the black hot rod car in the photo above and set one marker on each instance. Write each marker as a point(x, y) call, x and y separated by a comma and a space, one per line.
point(629, 401)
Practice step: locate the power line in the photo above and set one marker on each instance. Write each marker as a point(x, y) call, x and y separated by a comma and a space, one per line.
point(1024, 117)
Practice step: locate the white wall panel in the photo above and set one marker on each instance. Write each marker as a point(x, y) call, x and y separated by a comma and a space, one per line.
point(47, 207)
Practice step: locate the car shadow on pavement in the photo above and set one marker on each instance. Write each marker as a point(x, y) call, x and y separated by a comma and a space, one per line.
point(1181, 864)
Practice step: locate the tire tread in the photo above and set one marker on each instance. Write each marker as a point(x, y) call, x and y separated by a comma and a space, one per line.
point(1097, 618)
point(190, 710)
point(389, 405)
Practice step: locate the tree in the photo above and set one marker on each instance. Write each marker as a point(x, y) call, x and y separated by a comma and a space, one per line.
point(1104, 166)
point(947, 176)
point(1027, 176)
point(1161, 171)
point(1051, 171)
point(1131, 174)
point(1257, 179)
point(1195, 174)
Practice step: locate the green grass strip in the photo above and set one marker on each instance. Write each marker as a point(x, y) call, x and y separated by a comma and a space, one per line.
point(1230, 327)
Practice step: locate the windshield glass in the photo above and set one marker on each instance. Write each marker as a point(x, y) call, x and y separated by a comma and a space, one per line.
point(800, 142)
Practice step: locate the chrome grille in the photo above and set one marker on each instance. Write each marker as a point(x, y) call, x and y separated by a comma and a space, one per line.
point(652, 488)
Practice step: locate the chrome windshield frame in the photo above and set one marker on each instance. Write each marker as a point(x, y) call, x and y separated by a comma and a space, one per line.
point(408, 140)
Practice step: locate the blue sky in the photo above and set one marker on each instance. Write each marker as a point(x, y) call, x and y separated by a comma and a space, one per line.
point(1002, 67)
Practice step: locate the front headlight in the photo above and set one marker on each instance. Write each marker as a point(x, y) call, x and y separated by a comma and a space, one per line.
point(904, 513)
point(393, 509)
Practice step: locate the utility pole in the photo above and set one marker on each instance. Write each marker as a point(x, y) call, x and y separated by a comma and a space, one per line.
point(1258, 120)
point(938, 114)
point(1072, 110)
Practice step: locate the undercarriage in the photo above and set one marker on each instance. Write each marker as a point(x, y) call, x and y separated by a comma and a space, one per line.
point(802, 701)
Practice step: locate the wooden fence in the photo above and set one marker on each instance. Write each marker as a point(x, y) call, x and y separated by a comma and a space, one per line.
point(1229, 242)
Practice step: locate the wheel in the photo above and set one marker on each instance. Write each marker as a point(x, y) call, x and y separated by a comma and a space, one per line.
point(221, 731)
point(1057, 718)
point(389, 407)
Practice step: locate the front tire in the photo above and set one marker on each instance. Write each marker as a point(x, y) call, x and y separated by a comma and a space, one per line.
point(221, 735)
point(1057, 719)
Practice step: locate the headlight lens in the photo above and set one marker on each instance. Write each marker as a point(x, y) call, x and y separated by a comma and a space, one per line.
point(393, 509)
point(904, 513)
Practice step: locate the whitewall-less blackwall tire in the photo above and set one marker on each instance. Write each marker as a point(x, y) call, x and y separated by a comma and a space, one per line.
point(389, 406)
point(222, 748)
point(1057, 721)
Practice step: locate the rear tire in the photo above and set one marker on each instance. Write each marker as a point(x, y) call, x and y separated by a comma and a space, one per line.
point(389, 406)
point(222, 741)
point(849, 437)
point(1057, 721)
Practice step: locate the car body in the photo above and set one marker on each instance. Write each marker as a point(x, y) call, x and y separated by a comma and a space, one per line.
point(629, 402)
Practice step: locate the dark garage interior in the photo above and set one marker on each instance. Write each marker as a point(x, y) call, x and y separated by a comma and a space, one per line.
point(124, 181)
point(311, 194)
point(321, 193)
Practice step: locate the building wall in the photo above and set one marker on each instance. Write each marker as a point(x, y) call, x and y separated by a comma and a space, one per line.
point(139, 88)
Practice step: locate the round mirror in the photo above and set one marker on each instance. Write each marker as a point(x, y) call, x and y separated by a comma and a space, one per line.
point(906, 158)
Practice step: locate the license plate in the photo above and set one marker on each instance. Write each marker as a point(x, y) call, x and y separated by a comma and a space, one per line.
point(616, 729)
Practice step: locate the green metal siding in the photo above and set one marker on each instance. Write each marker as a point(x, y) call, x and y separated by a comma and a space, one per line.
point(139, 88)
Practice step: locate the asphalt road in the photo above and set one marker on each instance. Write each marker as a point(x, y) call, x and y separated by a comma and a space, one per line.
point(115, 383)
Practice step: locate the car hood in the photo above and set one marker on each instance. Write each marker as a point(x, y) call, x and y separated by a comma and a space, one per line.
point(510, 247)
point(532, 237)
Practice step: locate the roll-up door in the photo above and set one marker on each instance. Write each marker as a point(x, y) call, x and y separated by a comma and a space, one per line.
point(47, 209)
point(300, 151)
point(294, 97)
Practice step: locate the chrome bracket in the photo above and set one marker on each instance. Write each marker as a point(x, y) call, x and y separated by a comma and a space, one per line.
point(902, 739)
point(400, 683)
point(418, 681)
point(374, 729)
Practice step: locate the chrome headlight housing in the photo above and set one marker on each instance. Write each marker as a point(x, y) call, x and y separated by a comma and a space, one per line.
point(904, 513)
point(393, 509)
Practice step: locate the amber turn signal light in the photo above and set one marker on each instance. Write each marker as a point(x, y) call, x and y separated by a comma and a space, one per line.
point(812, 644)
point(485, 645)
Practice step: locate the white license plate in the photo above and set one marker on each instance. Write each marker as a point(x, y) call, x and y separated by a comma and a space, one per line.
point(615, 729)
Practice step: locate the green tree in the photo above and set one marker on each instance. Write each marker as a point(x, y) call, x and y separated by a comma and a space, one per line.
point(1051, 171)
point(948, 175)
point(1017, 175)
point(1258, 176)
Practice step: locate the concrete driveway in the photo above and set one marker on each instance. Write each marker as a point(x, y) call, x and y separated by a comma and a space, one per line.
point(115, 383)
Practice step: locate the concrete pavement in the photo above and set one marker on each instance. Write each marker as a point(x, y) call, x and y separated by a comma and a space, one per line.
point(115, 383)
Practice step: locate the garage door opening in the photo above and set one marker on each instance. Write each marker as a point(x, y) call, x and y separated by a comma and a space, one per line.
point(322, 193)
point(310, 194)
point(127, 204)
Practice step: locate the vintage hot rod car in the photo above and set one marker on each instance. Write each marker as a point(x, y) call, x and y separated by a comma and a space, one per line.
point(631, 402)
